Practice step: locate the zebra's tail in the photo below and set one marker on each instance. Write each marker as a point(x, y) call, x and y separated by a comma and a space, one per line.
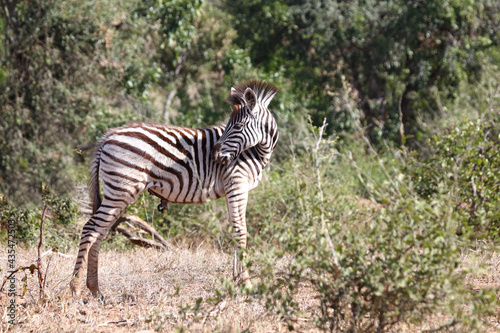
point(95, 192)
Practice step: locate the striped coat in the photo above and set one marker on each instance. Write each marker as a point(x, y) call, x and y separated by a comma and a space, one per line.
point(180, 165)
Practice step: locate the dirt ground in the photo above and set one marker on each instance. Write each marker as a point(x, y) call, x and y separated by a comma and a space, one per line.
point(147, 289)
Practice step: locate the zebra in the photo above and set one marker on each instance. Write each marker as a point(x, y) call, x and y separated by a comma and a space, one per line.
point(180, 165)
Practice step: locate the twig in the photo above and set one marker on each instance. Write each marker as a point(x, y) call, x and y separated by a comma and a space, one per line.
point(45, 277)
point(166, 105)
point(121, 322)
point(86, 147)
point(474, 189)
point(218, 308)
point(8, 277)
point(46, 253)
point(39, 260)
point(335, 255)
point(140, 241)
point(137, 221)
point(451, 323)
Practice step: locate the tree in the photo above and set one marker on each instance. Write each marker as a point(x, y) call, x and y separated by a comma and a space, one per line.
point(70, 70)
point(399, 56)
point(40, 105)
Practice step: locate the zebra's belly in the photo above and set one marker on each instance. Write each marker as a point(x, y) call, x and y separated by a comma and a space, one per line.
point(183, 195)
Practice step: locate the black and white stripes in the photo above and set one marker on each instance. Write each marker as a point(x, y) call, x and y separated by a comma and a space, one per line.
point(180, 165)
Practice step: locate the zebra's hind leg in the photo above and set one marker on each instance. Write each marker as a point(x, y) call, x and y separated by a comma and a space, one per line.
point(92, 270)
point(86, 242)
point(93, 233)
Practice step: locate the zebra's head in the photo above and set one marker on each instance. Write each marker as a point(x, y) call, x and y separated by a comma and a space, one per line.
point(250, 124)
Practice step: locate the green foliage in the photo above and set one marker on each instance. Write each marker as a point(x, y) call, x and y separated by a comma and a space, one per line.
point(60, 217)
point(45, 101)
point(71, 70)
point(465, 160)
point(400, 56)
point(370, 266)
point(31, 98)
point(176, 19)
point(25, 221)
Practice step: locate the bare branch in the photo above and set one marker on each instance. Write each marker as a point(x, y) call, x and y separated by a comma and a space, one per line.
point(140, 223)
point(39, 260)
point(140, 241)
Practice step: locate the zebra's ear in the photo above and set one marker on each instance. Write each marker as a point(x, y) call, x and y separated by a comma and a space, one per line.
point(250, 98)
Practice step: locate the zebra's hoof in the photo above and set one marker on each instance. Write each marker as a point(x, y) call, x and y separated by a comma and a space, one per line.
point(101, 298)
point(76, 296)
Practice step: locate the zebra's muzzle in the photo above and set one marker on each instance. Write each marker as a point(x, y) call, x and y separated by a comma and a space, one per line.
point(222, 158)
point(219, 157)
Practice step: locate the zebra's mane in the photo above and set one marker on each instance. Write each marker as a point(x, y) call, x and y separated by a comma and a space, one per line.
point(263, 90)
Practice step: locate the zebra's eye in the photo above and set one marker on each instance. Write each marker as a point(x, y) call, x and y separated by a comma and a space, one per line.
point(238, 126)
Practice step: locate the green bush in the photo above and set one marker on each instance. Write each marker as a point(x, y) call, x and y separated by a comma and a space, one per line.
point(61, 214)
point(398, 267)
point(465, 160)
point(370, 266)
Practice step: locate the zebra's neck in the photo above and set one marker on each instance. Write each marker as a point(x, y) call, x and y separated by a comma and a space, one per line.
point(269, 142)
point(264, 153)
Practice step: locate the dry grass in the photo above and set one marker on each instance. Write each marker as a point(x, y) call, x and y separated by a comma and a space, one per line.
point(146, 289)
point(485, 266)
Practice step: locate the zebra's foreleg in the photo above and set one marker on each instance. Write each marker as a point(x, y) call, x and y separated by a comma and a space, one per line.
point(236, 206)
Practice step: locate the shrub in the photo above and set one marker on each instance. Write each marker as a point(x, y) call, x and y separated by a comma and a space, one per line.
point(369, 276)
point(370, 267)
point(61, 213)
point(465, 160)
